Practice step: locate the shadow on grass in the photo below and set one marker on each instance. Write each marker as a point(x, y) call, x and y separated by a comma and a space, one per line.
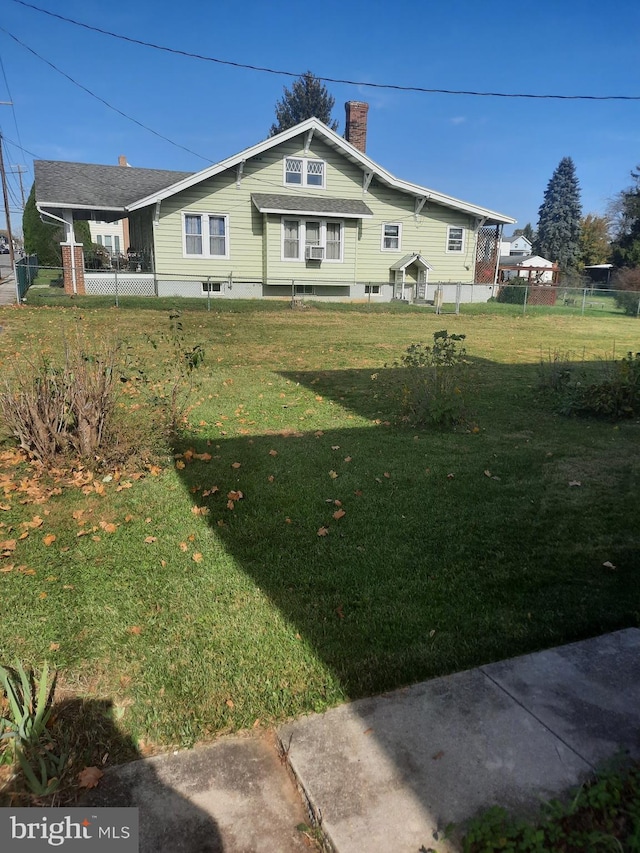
point(400, 554)
point(85, 731)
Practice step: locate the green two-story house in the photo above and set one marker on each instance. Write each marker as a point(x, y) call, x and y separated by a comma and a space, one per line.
point(305, 212)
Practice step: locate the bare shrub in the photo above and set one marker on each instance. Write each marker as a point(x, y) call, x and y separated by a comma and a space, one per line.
point(626, 284)
point(59, 410)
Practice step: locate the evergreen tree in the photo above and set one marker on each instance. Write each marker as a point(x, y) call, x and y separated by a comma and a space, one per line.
point(558, 237)
point(41, 238)
point(307, 98)
point(626, 213)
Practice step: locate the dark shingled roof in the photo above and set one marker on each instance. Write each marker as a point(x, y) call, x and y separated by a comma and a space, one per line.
point(310, 204)
point(88, 185)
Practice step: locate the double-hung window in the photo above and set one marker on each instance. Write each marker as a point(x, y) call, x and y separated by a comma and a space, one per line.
point(298, 235)
point(304, 172)
point(455, 238)
point(391, 236)
point(206, 235)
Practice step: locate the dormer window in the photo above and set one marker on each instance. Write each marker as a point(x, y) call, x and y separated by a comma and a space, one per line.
point(303, 172)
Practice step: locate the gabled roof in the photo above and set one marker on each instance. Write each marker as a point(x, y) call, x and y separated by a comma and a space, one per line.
point(405, 262)
point(315, 127)
point(85, 185)
point(315, 205)
point(515, 237)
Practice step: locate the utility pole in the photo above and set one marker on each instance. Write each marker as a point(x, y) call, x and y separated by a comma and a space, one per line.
point(6, 205)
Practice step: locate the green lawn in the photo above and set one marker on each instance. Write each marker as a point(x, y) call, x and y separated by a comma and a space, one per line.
point(195, 616)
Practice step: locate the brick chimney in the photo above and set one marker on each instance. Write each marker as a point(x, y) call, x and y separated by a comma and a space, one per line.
point(356, 124)
point(122, 160)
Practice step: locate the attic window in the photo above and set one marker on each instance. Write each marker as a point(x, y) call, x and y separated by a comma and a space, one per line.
point(303, 172)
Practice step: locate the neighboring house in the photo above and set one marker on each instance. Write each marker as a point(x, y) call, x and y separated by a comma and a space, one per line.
point(517, 245)
point(533, 268)
point(303, 212)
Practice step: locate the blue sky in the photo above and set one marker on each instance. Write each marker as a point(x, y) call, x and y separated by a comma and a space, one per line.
point(495, 152)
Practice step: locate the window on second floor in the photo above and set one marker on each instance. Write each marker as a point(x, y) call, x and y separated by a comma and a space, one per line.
point(206, 235)
point(304, 172)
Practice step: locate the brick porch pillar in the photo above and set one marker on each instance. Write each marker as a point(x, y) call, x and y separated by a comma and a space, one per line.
point(68, 270)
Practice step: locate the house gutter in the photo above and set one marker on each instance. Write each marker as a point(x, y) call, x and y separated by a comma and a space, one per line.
point(68, 227)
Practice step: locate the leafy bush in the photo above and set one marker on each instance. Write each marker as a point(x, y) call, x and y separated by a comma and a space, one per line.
point(431, 381)
point(604, 815)
point(513, 293)
point(626, 284)
point(611, 391)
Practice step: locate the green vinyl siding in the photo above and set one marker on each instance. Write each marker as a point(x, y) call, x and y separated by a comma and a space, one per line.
point(255, 239)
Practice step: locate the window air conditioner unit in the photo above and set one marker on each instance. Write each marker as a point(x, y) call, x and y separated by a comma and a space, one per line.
point(314, 253)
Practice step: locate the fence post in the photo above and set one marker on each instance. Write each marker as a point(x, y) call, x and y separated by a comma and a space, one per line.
point(458, 296)
point(208, 293)
point(526, 296)
point(115, 279)
point(584, 299)
point(638, 311)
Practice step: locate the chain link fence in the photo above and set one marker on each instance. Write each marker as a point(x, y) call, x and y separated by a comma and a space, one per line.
point(436, 297)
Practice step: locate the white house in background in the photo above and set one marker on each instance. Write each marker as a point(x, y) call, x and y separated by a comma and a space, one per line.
point(515, 246)
point(533, 268)
point(110, 235)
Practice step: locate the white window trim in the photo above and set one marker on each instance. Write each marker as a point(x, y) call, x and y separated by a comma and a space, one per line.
point(397, 225)
point(302, 226)
point(304, 183)
point(205, 215)
point(459, 251)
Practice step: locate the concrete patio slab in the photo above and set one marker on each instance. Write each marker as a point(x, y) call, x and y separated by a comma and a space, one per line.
point(587, 693)
point(391, 773)
point(235, 796)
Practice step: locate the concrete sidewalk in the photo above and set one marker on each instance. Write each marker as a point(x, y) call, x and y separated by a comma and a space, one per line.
point(391, 772)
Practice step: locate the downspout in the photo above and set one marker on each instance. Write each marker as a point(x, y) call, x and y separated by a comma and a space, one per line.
point(68, 227)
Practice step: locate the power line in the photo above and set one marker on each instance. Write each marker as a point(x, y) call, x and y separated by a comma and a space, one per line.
point(13, 109)
point(267, 70)
point(102, 100)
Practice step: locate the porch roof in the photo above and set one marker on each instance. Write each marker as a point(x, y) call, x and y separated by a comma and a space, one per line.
point(405, 262)
point(87, 187)
point(346, 208)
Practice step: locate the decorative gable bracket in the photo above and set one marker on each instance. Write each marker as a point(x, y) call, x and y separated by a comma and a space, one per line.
point(239, 171)
point(366, 181)
point(419, 204)
point(307, 141)
point(156, 213)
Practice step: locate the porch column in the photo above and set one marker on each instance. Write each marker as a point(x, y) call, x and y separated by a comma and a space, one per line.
point(72, 259)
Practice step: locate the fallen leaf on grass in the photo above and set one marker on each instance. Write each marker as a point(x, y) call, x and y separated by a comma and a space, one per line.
point(108, 526)
point(487, 473)
point(53, 647)
point(24, 535)
point(184, 546)
point(89, 777)
point(8, 545)
point(271, 478)
point(450, 476)
point(229, 703)
point(335, 447)
point(200, 510)
point(609, 565)
point(236, 465)
point(323, 531)
point(575, 483)
point(340, 612)
point(333, 474)
point(347, 459)
point(49, 539)
point(273, 453)
point(150, 539)
point(234, 495)
point(197, 557)
point(7, 568)
point(42, 595)
point(135, 629)
point(338, 514)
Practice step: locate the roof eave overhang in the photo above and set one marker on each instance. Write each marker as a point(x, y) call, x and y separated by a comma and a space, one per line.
point(489, 216)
